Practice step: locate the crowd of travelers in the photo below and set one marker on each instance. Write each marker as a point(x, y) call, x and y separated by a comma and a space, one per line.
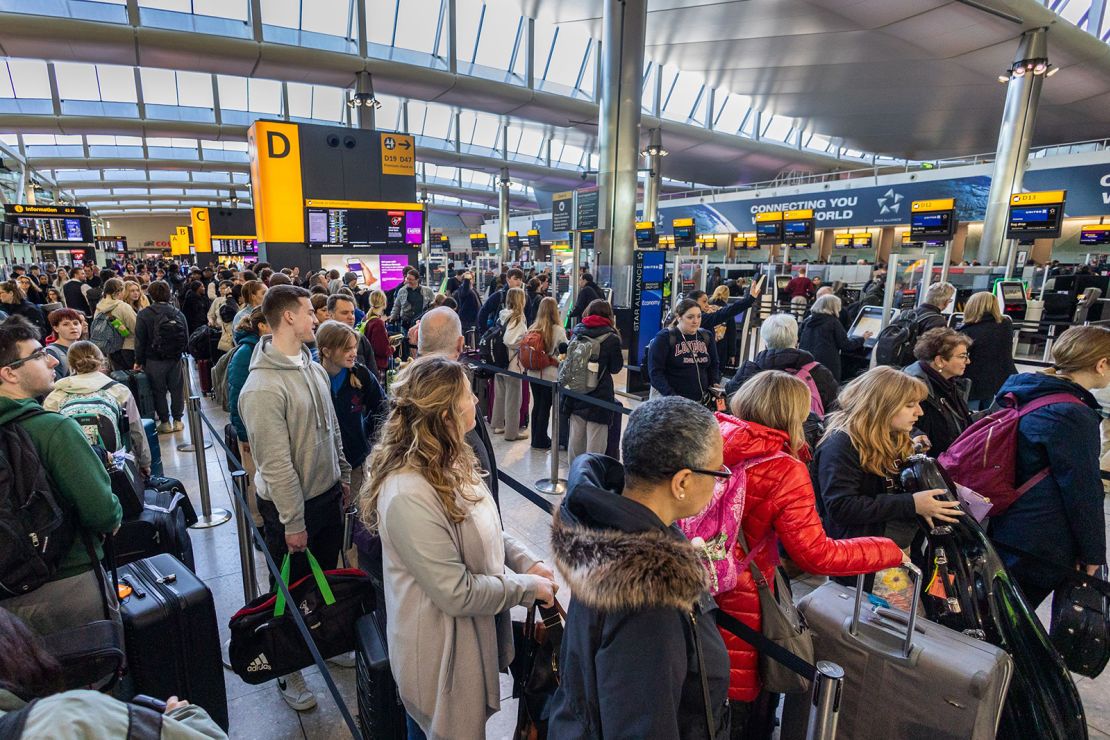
point(345, 399)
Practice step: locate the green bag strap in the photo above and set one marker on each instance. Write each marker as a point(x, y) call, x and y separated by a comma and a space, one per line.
point(317, 573)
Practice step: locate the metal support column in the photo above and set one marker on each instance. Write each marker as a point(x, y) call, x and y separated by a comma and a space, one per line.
point(208, 516)
point(622, 59)
point(576, 258)
point(947, 259)
point(1022, 95)
point(655, 154)
point(367, 103)
point(426, 240)
point(530, 54)
point(503, 215)
point(452, 37)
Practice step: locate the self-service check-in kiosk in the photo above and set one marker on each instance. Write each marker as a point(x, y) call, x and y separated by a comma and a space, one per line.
point(1011, 299)
point(870, 319)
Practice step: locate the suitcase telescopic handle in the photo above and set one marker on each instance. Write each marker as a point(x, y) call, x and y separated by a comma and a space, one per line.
point(915, 602)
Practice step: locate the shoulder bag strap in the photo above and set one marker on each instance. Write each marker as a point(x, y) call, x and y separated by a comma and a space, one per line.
point(143, 723)
point(12, 723)
point(709, 724)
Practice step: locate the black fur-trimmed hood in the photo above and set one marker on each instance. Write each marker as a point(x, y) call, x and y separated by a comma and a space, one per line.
point(616, 554)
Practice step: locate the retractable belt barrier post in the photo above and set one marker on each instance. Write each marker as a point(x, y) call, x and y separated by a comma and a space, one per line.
point(209, 517)
point(825, 707)
point(243, 524)
point(187, 385)
point(251, 531)
point(553, 484)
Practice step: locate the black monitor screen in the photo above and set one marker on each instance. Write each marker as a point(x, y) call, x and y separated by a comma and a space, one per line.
point(534, 241)
point(932, 223)
point(587, 240)
point(480, 243)
point(797, 232)
point(769, 232)
point(685, 236)
point(645, 238)
point(339, 227)
point(1040, 221)
point(1013, 291)
point(59, 229)
point(1094, 237)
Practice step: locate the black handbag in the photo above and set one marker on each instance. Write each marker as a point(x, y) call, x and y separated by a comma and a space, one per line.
point(265, 641)
point(1080, 626)
point(535, 668)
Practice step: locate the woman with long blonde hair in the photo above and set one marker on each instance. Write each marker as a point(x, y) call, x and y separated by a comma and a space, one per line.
point(554, 336)
point(1060, 518)
point(765, 439)
point(856, 463)
point(373, 328)
point(992, 348)
point(506, 398)
point(447, 587)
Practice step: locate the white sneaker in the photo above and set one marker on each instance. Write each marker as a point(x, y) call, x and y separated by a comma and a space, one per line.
point(296, 694)
point(344, 660)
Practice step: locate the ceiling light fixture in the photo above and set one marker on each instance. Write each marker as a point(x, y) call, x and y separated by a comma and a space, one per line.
point(1036, 67)
point(364, 93)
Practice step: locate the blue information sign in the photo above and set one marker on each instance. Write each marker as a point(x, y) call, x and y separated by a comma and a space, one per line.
point(647, 305)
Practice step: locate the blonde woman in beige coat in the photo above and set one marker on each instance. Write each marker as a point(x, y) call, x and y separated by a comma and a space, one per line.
point(451, 572)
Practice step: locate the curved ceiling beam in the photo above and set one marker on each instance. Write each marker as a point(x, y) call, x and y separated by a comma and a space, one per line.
point(697, 154)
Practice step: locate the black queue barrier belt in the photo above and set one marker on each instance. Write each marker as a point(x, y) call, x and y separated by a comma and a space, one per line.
point(562, 390)
point(275, 571)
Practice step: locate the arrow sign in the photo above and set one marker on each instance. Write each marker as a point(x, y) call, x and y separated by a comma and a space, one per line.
point(404, 143)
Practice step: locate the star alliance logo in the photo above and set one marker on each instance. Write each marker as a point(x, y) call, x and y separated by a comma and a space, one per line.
point(890, 202)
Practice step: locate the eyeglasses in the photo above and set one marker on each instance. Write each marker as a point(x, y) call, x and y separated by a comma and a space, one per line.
point(38, 354)
point(962, 356)
point(723, 473)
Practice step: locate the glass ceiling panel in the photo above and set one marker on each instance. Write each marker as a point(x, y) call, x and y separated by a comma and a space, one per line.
point(388, 117)
point(117, 84)
point(731, 111)
point(233, 92)
point(28, 78)
point(569, 51)
point(285, 13)
point(416, 24)
point(468, 15)
point(331, 17)
point(234, 9)
point(77, 81)
point(499, 33)
point(194, 89)
point(328, 103)
point(379, 21)
point(300, 100)
point(683, 93)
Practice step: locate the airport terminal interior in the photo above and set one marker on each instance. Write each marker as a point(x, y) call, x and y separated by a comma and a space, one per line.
point(573, 210)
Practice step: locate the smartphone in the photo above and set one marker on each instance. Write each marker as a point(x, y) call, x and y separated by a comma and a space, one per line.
point(150, 703)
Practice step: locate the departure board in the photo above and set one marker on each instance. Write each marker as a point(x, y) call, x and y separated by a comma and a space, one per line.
point(936, 224)
point(341, 227)
point(1035, 221)
point(769, 232)
point(56, 229)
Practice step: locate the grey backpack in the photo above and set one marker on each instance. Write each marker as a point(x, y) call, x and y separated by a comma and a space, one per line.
point(579, 371)
point(104, 335)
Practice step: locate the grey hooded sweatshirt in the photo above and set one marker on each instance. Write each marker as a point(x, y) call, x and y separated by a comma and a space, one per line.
point(293, 431)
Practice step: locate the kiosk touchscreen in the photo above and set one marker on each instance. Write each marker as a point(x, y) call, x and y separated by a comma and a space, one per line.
point(1011, 298)
point(781, 281)
point(870, 319)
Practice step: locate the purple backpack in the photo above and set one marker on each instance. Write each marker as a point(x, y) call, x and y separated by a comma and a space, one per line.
point(804, 373)
point(713, 532)
point(984, 457)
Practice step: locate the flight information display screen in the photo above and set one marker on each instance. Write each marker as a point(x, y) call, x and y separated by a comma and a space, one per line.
point(1094, 237)
point(58, 229)
point(769, 232)
point(587, 240)
point(798, 233)
point(341, 227)
point(935, 224)
point(685, 236)
point(645, 238)
point(1035, 222)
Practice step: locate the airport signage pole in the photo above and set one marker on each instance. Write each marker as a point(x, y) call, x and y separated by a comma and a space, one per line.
point(1023, 92)
point(503, 215)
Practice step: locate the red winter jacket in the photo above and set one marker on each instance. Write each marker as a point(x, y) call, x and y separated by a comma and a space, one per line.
point(779, 494)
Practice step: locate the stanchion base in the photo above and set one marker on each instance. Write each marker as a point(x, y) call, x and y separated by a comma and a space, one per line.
point(218, 517)
point(551, 486)
point(188, 446)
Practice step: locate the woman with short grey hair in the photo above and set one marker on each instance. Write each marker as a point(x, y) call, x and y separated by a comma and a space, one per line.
point(824, 337)
point(780, 333)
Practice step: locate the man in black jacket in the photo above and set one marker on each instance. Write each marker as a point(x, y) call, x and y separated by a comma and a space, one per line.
point(74, 290)
point(930, 314)
point(587, 293)
point(493, 305)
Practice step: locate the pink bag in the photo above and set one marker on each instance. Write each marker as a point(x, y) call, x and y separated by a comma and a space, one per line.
point(714, 531)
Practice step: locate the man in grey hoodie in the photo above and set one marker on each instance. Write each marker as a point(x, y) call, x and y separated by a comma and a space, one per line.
point(302, 479)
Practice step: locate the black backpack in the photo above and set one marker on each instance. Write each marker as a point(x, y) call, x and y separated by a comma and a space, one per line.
point(202, 341)
point(492, 346)
point(171, 337)
point(227, 312)
point(894, 345)
point(36, 528)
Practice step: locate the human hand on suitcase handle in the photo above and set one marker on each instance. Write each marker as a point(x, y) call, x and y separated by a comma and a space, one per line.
point(930, 505)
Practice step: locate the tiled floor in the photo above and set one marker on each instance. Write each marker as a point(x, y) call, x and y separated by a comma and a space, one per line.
point(258, 711)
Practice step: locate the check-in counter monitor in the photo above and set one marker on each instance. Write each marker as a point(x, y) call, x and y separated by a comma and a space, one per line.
point(870, 319)
point(1011, 298)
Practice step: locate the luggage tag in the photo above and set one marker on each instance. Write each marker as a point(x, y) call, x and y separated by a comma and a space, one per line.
point(977, 505)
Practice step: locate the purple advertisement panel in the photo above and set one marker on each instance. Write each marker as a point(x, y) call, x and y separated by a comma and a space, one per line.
point(391, 268)
point(414, 227)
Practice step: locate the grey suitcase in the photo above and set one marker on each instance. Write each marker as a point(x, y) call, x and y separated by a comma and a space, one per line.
point(904, 676)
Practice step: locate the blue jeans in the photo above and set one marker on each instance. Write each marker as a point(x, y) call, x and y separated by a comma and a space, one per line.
point(415, 733)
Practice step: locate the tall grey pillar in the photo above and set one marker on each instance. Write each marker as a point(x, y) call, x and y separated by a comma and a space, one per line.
point(655, 154)
point(368, 104)
point(1023, 92)
point(622, 72)
point(426, 242)
point(503, 214)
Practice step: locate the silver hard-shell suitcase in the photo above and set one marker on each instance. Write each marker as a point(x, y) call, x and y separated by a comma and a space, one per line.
point(905, 677)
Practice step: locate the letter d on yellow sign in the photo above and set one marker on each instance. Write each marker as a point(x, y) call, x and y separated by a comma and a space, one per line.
point(275, 154)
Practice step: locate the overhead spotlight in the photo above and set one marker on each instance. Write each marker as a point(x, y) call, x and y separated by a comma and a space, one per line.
point(1052, 69)
point(364, 93)
point(1040, 67)
point(654, 150)
point(1019, 70)
point(1004, 77)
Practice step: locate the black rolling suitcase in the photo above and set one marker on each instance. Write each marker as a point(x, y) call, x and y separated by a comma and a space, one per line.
point(171, 486)
point(380, 712)
point(173, 642)
point(160, 528)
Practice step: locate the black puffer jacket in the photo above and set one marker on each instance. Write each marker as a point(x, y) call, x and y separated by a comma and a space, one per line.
point(824, 337)
point(787, 360)
point(629, 666)
point(992, 356)
point(610, 360)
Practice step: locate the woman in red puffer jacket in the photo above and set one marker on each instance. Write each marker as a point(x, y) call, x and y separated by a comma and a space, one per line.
point(768, 415)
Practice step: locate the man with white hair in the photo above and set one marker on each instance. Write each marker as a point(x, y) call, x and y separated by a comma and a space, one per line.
point(780, 335)
point(440, 333)
point(930, 314)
